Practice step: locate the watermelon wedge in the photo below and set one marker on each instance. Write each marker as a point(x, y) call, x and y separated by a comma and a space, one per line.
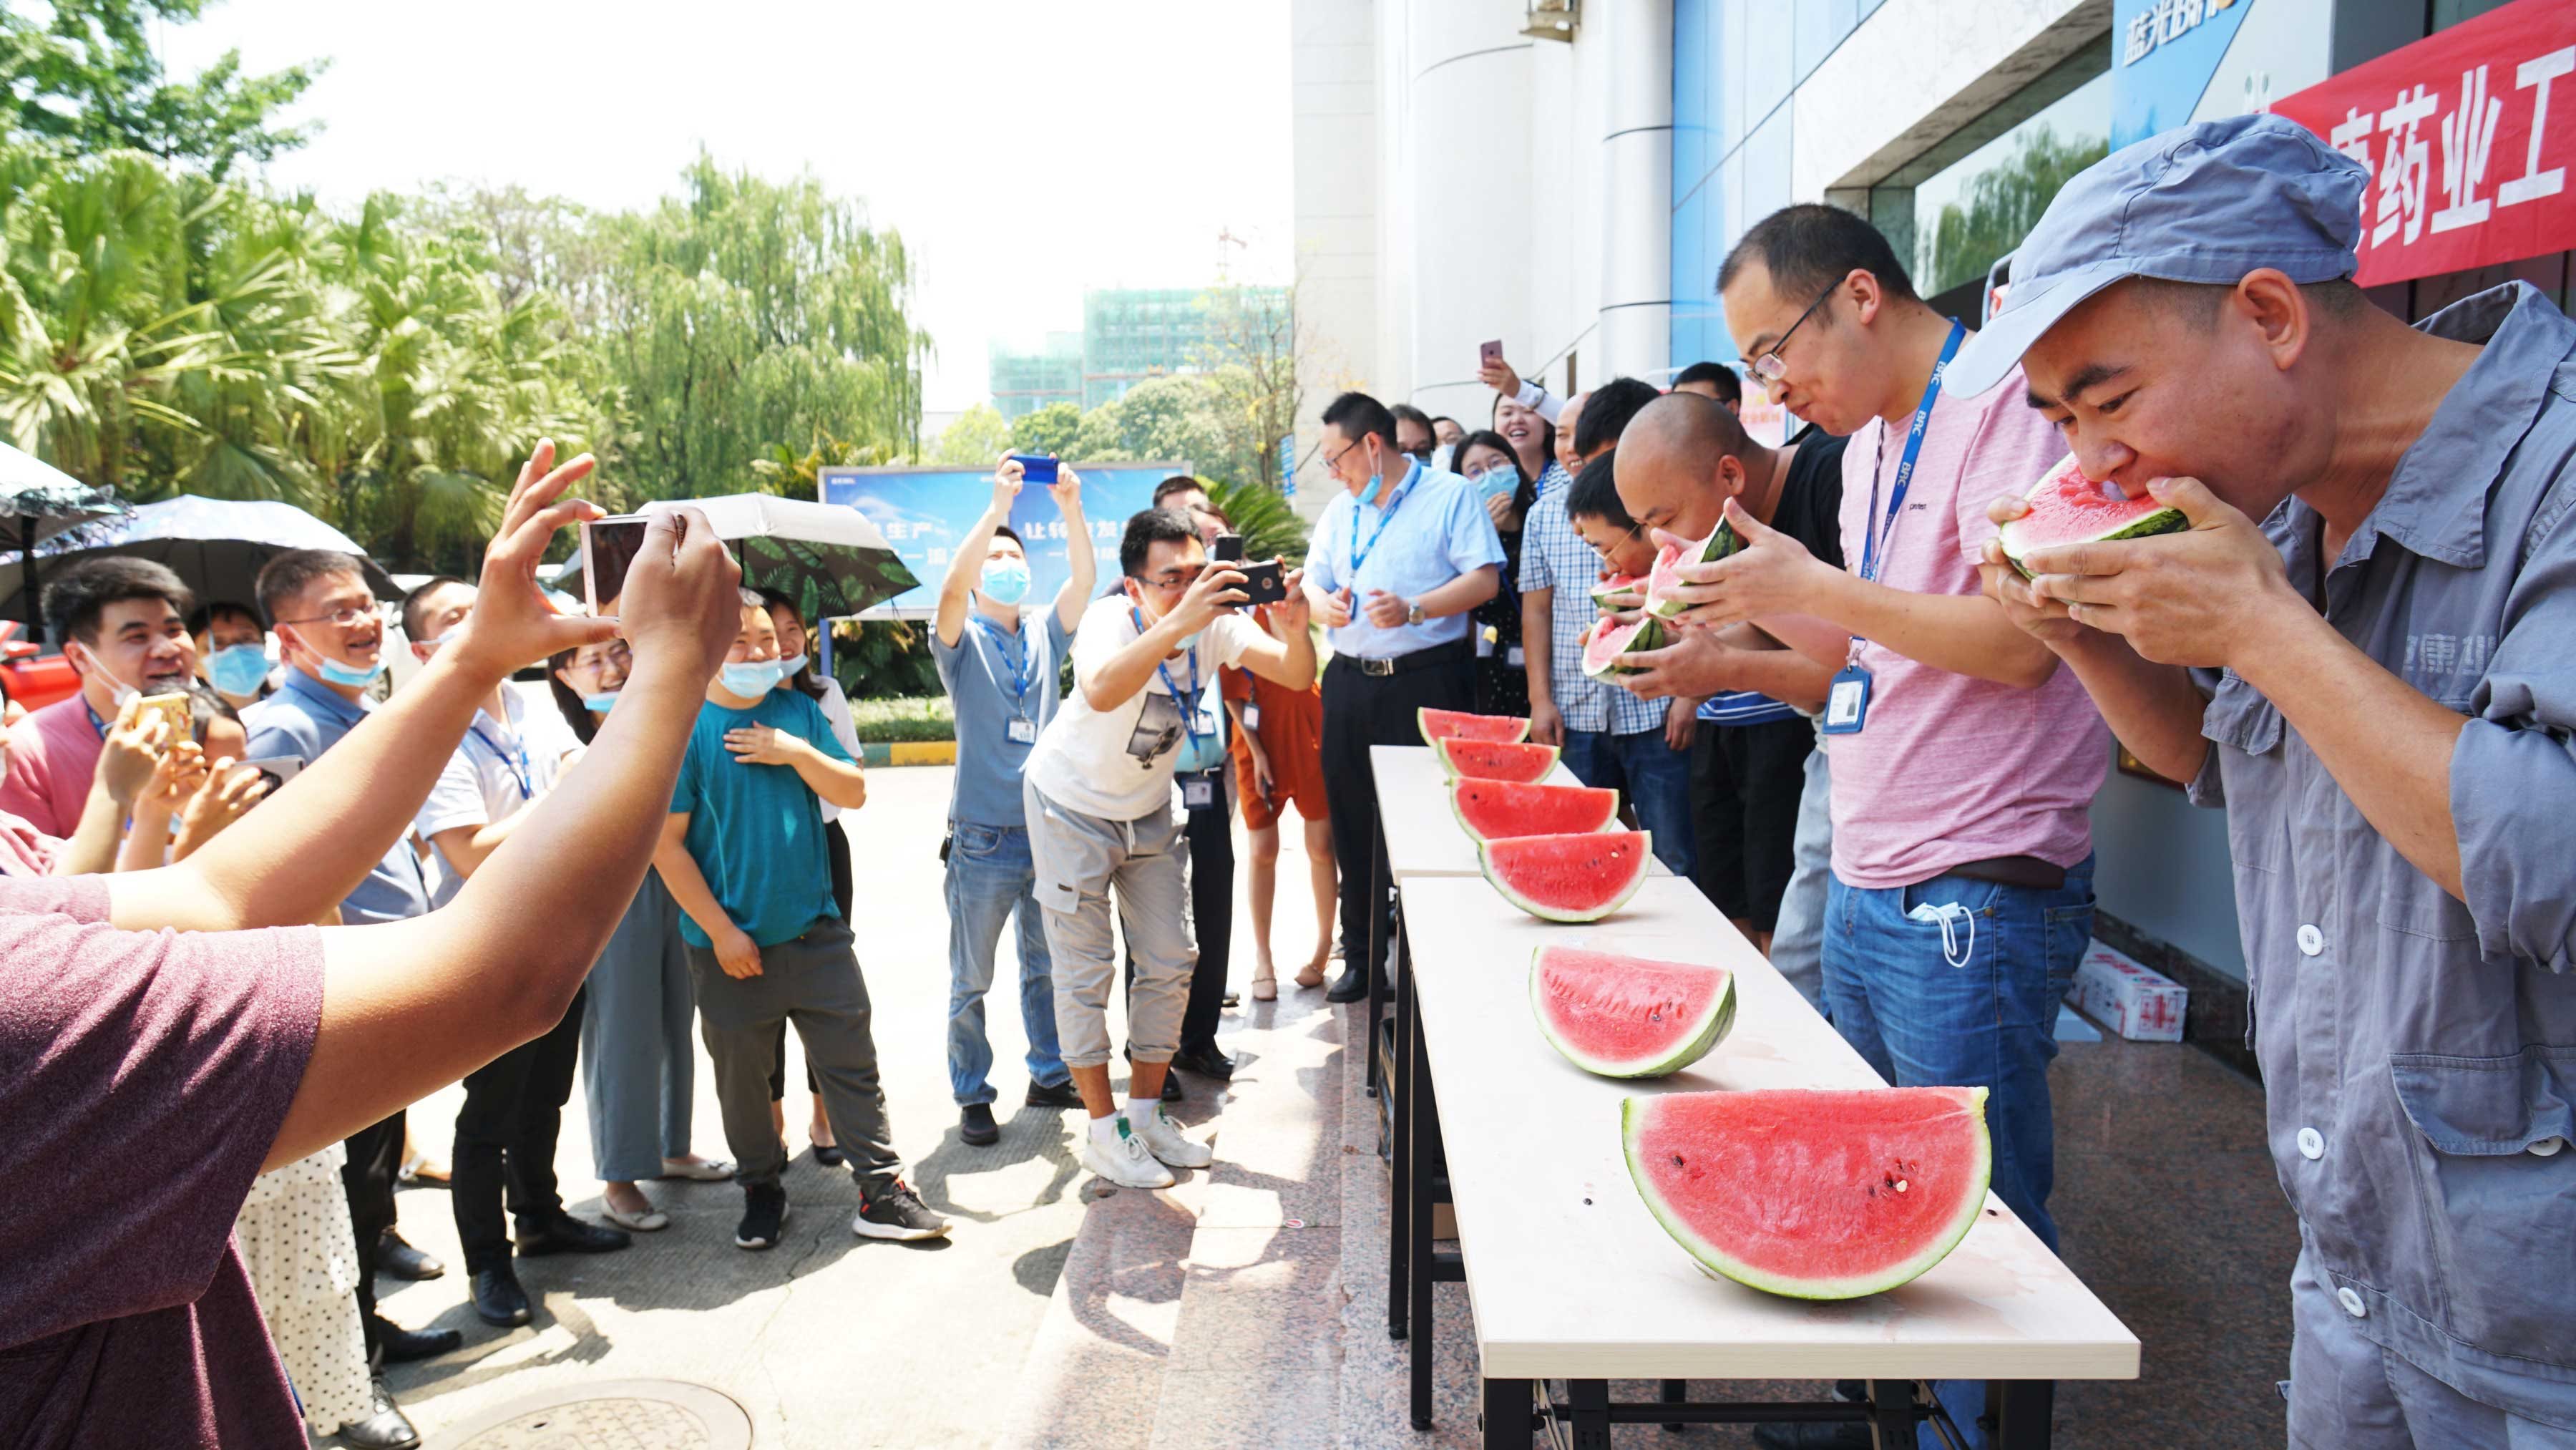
point(1606, 645)
point(1494, 759)
point(1582, 877)
point(1459, 725)
point(1492, 808)
point(1813, 1194)
point(1661, 579)
point(1621, 1016)
point(2068, 508)
point(1625, 591)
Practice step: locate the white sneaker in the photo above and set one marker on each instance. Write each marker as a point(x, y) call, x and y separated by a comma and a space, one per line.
point(1163, 1139)
point(1129, 1165)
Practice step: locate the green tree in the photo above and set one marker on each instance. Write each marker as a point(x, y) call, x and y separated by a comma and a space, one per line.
point(1049, 432)
point(82, 76)
point(1250, 358)
point(1261, 513)
point(977, 439)
point(1102, 437)
point(2003, 204)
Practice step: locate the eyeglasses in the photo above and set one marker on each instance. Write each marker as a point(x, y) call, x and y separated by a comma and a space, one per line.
point(1334, 460)
point(1617, 544)
point(616, 654)
point(1769, 367)
point(1172, 579)
point(345, 617)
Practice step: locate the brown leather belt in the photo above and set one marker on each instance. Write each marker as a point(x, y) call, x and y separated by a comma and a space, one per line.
point(2027, 871)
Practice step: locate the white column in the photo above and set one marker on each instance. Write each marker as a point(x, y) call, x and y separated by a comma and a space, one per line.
point(1634, 333)
point(1469, 193)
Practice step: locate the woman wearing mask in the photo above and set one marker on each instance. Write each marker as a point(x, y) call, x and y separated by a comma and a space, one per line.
point(1531, 439)
point(796, 667)
point(1490, 462)
point(639, 1067)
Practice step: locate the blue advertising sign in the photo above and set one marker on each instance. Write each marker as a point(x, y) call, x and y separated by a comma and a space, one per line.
point(923, 512)
point(2164, 54)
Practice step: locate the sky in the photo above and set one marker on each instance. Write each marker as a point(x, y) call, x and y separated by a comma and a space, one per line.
point(1024, 150)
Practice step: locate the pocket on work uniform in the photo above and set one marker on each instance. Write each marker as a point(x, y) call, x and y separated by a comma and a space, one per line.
point(2497, 1179)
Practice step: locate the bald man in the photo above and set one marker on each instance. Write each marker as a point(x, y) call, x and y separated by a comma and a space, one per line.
point(1679, 462)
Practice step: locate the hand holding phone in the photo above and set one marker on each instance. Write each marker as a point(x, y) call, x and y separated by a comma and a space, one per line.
point(1035, 468)
point(608, 550)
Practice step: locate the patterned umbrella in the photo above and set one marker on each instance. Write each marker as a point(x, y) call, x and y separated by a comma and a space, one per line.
point(40, 501)
point(829, 559)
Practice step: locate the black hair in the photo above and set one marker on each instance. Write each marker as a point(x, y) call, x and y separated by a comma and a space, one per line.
point(1730, 388)
point(1595, 494)
point(205, 707)
point(287, 576)
point(1607, 411)
point(202, 618)
point(1005, 531)
point(1522, 497)
point(1811, 246)
point(1357, 415)
point(418, 600)
point(1445, 418)
point(1177, 483)
point(1407, 413)
point(804, 680)
point(1153, 526)
point(1546, 434)
point(575, 713)
point(75, 599)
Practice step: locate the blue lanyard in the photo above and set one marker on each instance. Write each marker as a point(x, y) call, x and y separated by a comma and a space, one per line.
point(515, 758)
point(1024, 670)
point(1880, 533)
point(95, 723)
point(1189, 703)
point(1359, 555)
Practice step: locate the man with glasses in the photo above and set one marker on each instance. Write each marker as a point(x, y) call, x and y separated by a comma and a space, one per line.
point(333, 640)
point(1399, 558)
point(122, 624)
point(1098, 797)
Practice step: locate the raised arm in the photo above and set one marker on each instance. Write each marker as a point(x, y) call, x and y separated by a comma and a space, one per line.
point(1117, 679)
point(957, 585)
point(1286, 654)
point(1075, 596)
point(410, 1006)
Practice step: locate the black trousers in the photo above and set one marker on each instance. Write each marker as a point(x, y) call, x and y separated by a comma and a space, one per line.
point(505, 1141)
point(375, 1162)
point(1746, 781)
point(1361, 710)
point(1209, 833)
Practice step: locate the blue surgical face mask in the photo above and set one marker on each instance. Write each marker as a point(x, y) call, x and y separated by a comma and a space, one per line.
point(788, 667)
point(601, 703)
point(1006, 581)
point(237, 669)
point(352, 676)
point(750, 679)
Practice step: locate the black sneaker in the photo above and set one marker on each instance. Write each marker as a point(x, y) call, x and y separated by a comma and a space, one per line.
point(975, 1126)
point(1062, 1095)
point(764, 1210)
point(896, 1212)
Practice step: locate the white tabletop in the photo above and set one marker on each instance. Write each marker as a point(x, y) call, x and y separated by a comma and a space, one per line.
point(1423, 837)
point(1572, 1276)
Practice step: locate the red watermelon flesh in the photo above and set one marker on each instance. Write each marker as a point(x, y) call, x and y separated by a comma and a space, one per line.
point(1813, 1194)
point(2068, 508)
point(1620, 591)
point(1622, 1016)
point(1663, 578)
point(1494, 759)
point(1581, 877)
point(1491, 808)
point(1607, 644)
point(1459, 725)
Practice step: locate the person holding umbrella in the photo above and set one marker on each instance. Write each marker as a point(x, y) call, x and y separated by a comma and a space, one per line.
point(123, 624)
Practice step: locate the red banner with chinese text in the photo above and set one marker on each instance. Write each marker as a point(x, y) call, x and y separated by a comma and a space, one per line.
point(2469, 135)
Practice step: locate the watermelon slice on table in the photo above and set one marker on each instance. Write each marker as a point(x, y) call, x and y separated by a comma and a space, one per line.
point(1624, 591)
point(1607, 644)
point(1622, 1016)
point(1580, 877)
point(1662, 579)
point(1813, 1194)
point(1492, 808)
point(2068, 508)
point(1459, 725)
point(1494, 759)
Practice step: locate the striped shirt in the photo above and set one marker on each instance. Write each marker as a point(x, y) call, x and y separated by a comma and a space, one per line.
point(1744, 707)
point(1554, 557)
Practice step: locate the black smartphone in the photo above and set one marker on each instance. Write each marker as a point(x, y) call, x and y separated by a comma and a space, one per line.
point(1227, 549)
point(608, 549)
point(1034, 469)
point(1264, 583)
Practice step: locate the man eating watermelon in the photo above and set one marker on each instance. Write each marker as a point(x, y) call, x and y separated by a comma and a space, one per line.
point(2375, 680)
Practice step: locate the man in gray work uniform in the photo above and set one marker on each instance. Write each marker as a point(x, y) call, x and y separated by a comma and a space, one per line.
point(2377, 597)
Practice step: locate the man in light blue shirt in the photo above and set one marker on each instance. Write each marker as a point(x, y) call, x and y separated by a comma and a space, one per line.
point(1398, 559)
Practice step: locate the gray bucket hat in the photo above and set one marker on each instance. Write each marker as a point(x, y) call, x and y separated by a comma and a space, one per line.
point(2207, 203)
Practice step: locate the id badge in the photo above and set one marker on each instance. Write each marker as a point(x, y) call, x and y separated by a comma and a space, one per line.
point(1513, 657)
point(1251, 715)
point(1021, 731)
point(1846, 702)
point(1484, 644)
point(1198, 792)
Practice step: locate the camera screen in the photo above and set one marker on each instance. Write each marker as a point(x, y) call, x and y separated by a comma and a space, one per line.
point(609, 547)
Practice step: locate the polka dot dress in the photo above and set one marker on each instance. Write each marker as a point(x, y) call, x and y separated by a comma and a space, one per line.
point(303, 1260)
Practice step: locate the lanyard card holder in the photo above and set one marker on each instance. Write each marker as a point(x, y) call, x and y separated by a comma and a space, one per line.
point(1846, 702)
point(1198, 790)
point(1021, 730)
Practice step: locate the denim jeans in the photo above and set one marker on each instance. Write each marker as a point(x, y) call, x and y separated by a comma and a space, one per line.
point(990, 875)
point(1652, 777)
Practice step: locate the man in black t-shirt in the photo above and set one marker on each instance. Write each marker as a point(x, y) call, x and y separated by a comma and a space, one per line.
point(1680, 461)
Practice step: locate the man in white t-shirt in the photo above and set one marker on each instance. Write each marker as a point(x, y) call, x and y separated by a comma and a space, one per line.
point(1098, 789)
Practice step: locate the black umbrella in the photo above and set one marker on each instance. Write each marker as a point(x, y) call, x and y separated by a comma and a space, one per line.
point(216, 546)
point(41, 501)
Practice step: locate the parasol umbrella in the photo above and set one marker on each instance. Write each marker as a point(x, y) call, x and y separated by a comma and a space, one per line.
point(216, 546)
point(827, 558)
point(40, 501)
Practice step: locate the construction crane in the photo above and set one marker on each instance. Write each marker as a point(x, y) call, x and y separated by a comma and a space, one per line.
point(1225, 237)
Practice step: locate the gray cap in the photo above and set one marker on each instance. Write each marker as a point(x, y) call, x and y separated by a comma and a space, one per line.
point(2207, 203)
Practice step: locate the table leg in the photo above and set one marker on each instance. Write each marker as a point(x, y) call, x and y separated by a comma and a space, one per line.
point(1418, 1103)
point(1590, 1402)
point(1891, 1423)
point(1673, 1392)
point(1399, 1237)
point(1381, 886)
point(1507, 1415)
point(2020, 1410)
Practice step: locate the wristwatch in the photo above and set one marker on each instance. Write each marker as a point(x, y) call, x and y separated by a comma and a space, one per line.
point(1413, 613)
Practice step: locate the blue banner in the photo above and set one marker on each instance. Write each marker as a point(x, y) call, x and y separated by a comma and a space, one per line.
point(923, 512)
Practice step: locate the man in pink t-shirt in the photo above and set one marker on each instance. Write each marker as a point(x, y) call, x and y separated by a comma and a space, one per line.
point(1964, 759)
point(123, 625)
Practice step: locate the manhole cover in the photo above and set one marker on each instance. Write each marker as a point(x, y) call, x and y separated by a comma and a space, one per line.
point(625, 1414)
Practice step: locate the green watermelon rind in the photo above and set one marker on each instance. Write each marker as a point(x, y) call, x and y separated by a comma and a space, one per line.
point(1645, 858)
point(1714, 1260)
point(1422, 722)
point(1720, 542)
point(1458, 782)
point(1710, 1031)
point(1649, 636)
point(1450, 772)
point(1608, 593)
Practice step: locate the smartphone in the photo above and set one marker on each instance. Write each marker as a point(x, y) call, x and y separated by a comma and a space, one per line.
point(174, 709)
point(608, 549)
point(1034, 469)
point(1488, 354)
point(277, 770)
point(1264, 583)
point(1228, 549)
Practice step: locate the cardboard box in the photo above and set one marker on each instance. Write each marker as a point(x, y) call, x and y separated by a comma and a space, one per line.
point(2114, 990)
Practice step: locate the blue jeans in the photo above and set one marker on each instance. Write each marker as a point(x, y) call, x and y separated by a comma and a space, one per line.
point(989, 874)
point(1652, 777)
point(1989, 1022)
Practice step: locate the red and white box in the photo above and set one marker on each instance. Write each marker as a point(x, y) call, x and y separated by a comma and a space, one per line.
point(2140, 1005)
